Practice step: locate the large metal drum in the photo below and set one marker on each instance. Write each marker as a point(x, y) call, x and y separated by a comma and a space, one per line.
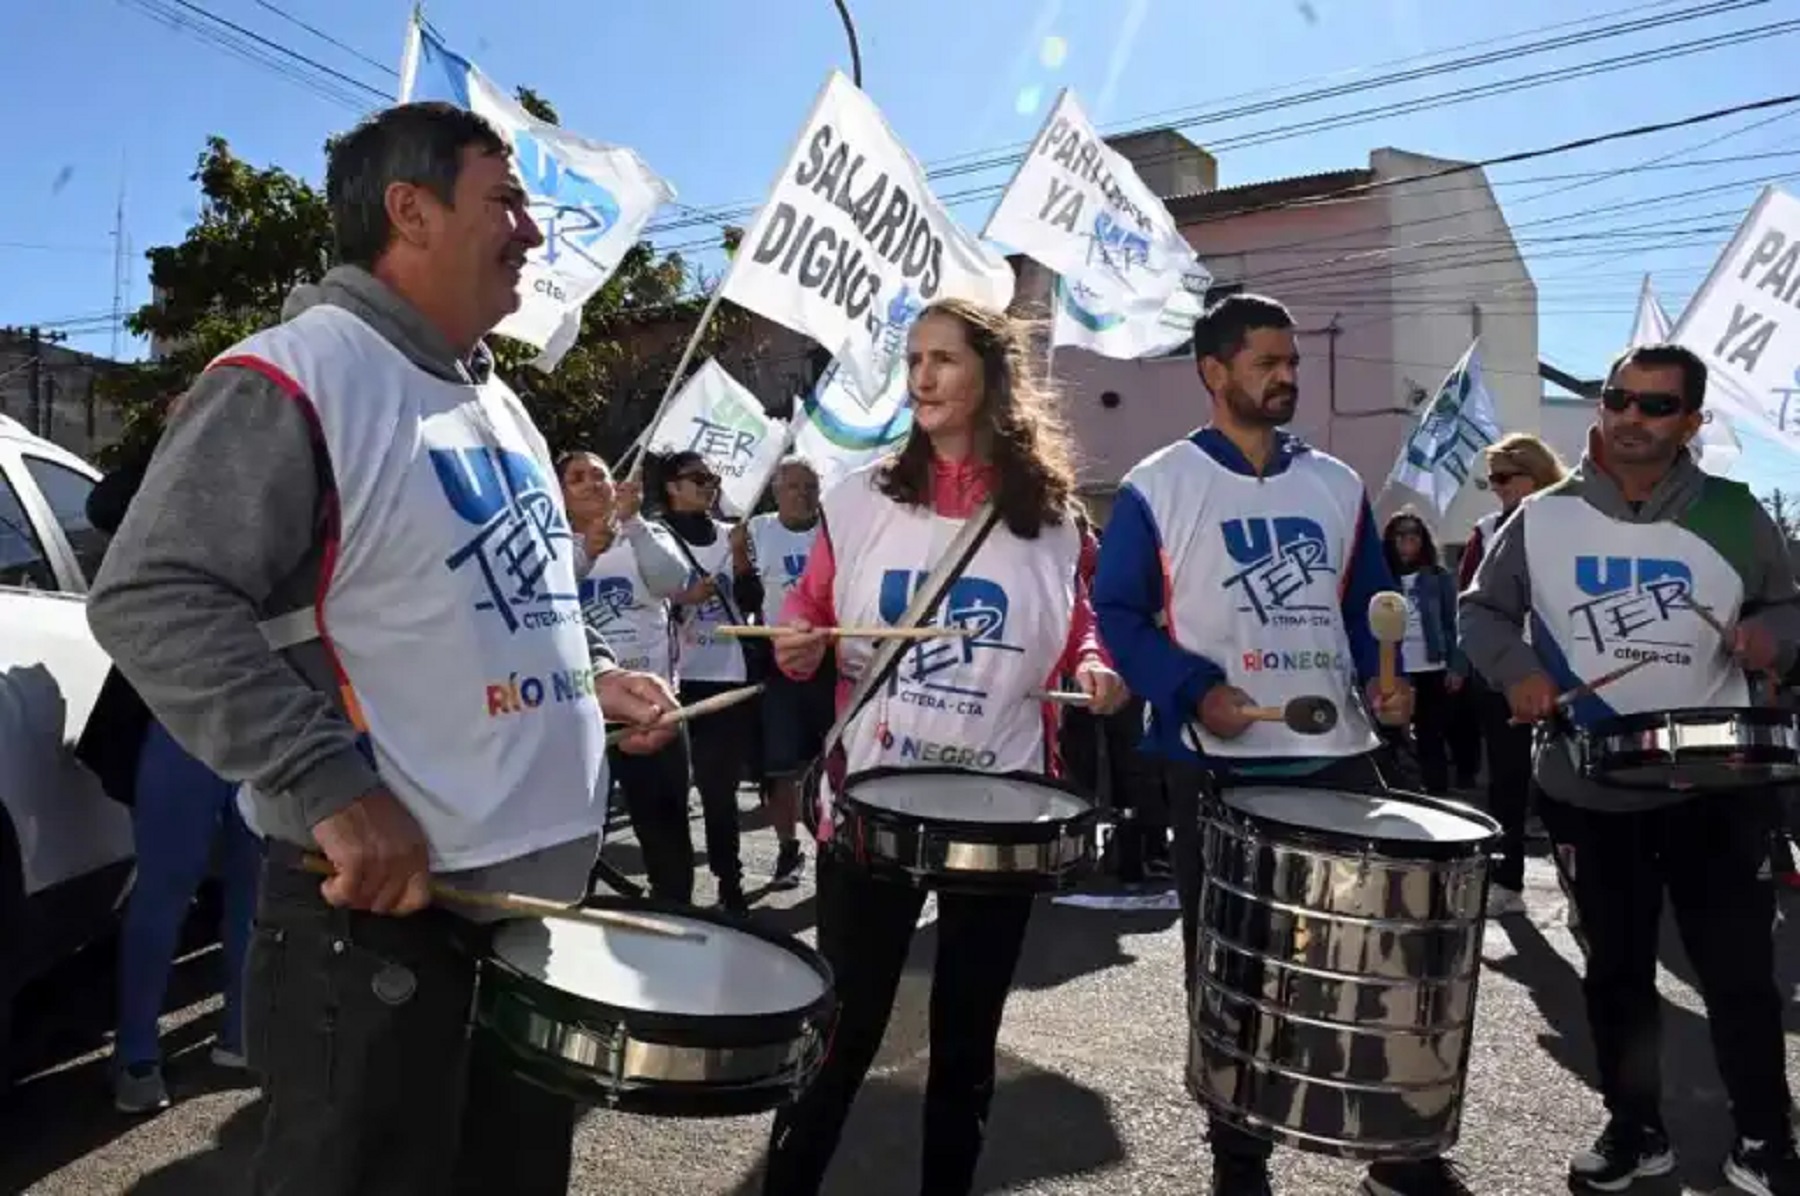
point(1338, 958)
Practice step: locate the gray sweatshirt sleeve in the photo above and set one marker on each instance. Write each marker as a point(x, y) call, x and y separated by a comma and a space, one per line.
point(1775, 599)
point(665, 570)
point(225, 522)
point(1490, 616)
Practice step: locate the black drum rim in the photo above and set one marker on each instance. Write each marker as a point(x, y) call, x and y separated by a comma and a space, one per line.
point(966, 830)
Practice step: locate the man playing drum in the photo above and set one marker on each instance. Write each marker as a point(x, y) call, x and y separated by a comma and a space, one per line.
point(349, 582)
point(1608, 566)
point(1236, 571)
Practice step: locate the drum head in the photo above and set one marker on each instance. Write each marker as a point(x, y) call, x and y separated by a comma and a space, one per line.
point(1358, 815)
point(734, 973)
point(966, 797)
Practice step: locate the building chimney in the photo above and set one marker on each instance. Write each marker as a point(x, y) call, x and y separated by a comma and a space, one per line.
point(1168, 163)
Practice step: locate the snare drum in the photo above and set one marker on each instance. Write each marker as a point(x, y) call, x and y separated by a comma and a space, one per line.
point(955, 829)
point(1701, 749)
point(665, 1027)
point(1339, 949)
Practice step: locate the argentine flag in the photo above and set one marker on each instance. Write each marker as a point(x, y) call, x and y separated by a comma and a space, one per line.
point(591, 200)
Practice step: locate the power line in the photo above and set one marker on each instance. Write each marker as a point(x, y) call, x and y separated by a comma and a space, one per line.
point(329, 40)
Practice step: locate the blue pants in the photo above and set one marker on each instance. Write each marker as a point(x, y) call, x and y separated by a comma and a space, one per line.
point(182, 810)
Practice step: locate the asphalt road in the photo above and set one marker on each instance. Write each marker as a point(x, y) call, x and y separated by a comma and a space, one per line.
point(1090, 1098)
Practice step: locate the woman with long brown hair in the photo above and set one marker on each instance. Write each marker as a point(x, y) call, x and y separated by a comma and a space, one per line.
point(983, 430)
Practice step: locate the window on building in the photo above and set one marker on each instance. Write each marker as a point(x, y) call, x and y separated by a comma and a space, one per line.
point(23, 562)
point(67, 493)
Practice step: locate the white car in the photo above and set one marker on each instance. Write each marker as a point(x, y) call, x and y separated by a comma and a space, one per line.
point(65, 847)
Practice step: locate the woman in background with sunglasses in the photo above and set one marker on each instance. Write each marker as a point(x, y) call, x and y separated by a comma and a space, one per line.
point(1518, 466)
point(708, 663)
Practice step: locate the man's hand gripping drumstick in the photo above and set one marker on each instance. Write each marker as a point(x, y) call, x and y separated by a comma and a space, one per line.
point(1536, 698)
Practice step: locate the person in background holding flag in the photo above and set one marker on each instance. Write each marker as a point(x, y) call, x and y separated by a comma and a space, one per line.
point(633, 570)
point(707, 662)
point(1518, 466)
point(983, 430)
point(1190, 589)
point(795, 714)
point(1573, 560)
point(305, 593)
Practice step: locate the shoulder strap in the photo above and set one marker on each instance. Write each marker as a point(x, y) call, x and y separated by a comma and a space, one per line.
point(723, 595)
point(924, 606)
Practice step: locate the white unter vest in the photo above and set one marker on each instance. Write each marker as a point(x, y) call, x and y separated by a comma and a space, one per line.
point(705, 654)
point(1605, 593)
point(450, 601)
point(1255, 569)
point(633, 621)
point(780, 554)
point(962, 702)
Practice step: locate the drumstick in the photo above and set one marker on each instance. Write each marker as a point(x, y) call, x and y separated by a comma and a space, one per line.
point(1570, 697)
point(750, 631)
point(1387, 623)
point(717, 702)
point(1308, 715)
point(1726, 640)
point(534, 907)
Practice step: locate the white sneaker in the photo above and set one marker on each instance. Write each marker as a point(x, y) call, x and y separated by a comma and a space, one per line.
point(1503, 903)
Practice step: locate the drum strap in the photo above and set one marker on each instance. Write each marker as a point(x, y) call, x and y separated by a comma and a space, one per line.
point(886, 658)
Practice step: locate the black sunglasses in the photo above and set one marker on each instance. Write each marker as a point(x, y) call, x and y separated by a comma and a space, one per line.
point(705, 481)
point(1500, 477)
point(1654, 404)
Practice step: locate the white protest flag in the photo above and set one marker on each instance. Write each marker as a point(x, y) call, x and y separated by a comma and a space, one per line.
point(1717, 446)
point(851, 236)
point(839, 431)
point(716, 416)
point(1460, 421)
point(1078, 206)
point(591, 200)
point(1127, 327)
point(1744, 322)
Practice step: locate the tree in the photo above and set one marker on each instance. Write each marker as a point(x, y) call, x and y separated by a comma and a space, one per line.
point(262, 231)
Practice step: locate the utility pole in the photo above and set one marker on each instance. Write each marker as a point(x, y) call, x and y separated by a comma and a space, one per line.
point(36, 414)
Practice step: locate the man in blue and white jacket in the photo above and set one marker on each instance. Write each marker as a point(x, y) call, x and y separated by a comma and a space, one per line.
point(1236, 571)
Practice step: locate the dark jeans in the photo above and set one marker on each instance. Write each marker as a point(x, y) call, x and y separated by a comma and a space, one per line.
point(865, 929)
point(656, 798)
point(1509, 786)
point(1187, 785)
point(1465, 732)
point(1431, 730)
point(1707, 852)
point(723, 745)
point(359, 1027)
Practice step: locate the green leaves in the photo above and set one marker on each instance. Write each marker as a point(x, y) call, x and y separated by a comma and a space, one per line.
point(261, 232)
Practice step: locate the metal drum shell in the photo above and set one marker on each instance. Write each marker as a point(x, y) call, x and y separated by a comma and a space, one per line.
point(1702, 749)
point(968, 856)
point(1337, 982)
point(652, 1063)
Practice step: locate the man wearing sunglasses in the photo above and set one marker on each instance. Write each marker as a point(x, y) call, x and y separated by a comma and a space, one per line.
point(1608, 566)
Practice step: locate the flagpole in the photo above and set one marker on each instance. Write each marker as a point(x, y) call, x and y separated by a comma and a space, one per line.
point(409, 54)
point(712, 304)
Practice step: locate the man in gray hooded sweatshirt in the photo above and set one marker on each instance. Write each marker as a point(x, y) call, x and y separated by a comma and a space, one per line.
point(348, 581)
point(1607, 568)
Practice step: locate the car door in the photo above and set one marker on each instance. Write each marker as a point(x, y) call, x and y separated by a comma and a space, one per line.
point(51, 669)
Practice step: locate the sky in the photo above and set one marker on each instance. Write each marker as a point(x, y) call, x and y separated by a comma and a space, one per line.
point(129, 90)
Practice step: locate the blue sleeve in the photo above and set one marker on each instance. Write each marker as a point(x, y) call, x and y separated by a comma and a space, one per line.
point(1367, 575)
point(1447, 604)
point(1128, 596)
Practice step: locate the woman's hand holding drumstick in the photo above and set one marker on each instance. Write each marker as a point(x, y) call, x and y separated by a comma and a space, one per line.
point(665, 724)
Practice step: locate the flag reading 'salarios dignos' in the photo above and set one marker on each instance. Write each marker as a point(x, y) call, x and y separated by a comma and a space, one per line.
point(851, 233)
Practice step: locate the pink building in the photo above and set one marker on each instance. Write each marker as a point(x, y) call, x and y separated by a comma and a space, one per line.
point(1388, 281)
